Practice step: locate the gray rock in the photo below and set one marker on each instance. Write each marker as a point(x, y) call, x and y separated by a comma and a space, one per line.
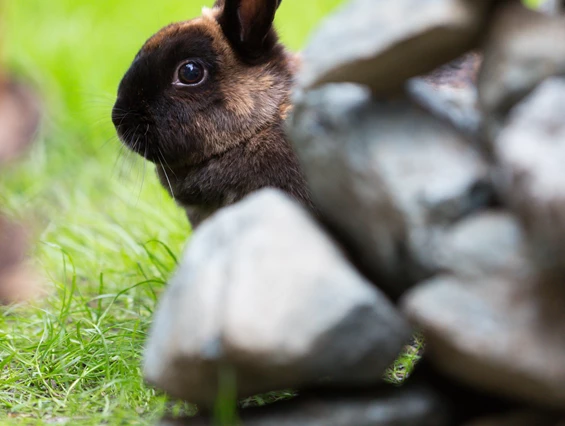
point(531, 153)
point(387, 177)
point(450, 93)
point(264, 295)
point(492, 323)
point(383, 43)
point(552, 7)
point(408, 406)
point(524, 48)
point(487, 245)
point(521, 418)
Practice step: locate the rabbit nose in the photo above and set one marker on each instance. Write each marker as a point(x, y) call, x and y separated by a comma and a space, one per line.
point(117, 115)
point(121, 114)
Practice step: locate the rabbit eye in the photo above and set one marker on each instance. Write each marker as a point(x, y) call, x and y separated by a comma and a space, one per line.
point(191, 73)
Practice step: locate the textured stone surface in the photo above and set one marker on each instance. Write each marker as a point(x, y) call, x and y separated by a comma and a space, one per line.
point(487, 245)
point(387, 176)
point(383, 43)
point(263, 292)
point(407, 406)
point(464, 402)
point(492, 323)
point(521, 418)
point(450, 93)
point(524, 47)
point(531, 153)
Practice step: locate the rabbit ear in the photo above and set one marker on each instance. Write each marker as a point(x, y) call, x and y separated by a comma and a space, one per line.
point(248, 25)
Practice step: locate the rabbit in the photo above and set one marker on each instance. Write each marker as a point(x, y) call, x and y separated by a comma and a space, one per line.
point(206, 101)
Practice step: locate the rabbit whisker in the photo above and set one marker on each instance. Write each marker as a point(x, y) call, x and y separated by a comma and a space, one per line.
point(113, 138)
point(118, 157)
point(119, 168)
point(132, 157)
point(143, 173)
point(166, 175)
point(167, 165)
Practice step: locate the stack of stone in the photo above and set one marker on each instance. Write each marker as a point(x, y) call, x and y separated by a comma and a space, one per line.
point(441, 208)
point(19, 119)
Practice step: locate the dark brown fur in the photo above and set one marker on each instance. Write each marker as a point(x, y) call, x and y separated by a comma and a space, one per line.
point(215, 143)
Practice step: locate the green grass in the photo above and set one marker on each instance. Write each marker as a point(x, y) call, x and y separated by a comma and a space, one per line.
point(106, 233)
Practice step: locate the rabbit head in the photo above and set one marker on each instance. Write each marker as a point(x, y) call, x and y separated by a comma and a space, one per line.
point(198, 88)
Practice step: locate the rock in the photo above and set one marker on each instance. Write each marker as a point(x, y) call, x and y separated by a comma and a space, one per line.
point(463, 402)
point(524, 48)
point(382, 43)
point(406, 406)
point(387, 177)
point(552, 7)
point(491, 322)
point(264, 294)
point(531, 152)
point(521, 418)
point(487, 245)
point(450, 93)
point(19, 118)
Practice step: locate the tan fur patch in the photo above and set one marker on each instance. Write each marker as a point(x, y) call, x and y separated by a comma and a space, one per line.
point(285, 109)
point(294, 61)
point(166, 33)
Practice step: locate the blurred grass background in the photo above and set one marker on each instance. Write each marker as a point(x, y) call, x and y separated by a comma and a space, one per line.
point(108, 235)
